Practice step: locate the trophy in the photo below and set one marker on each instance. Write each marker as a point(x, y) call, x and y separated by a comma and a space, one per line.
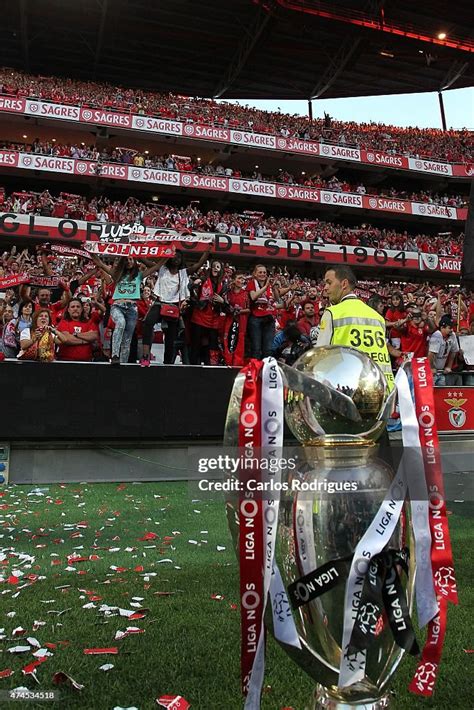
point(336, 404)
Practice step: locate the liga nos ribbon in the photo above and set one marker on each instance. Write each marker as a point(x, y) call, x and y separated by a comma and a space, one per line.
point(442, 564)
point(261, 426)
point(420, 474)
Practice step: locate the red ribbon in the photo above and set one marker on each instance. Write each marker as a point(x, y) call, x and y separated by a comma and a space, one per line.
point(251, 524)
point(441, 553)
point(427, 669)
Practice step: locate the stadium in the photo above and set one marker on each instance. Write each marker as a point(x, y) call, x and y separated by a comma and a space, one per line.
point(158, 233)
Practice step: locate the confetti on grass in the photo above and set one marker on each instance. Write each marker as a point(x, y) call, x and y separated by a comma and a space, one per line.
point(94, 574)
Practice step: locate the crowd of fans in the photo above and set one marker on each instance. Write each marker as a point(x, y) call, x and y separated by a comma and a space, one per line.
point(218, 314)
point(250, 223)
point(210, 312)
point(450, 146)
point(194, 164)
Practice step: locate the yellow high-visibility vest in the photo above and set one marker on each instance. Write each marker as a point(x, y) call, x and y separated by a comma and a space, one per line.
point(357, 325)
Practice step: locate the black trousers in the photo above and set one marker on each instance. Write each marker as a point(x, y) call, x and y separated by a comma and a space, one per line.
point(169, 332)
point(202, 341)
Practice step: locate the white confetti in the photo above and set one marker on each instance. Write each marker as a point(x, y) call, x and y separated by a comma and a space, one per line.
point(33, 642)
point(106, 667)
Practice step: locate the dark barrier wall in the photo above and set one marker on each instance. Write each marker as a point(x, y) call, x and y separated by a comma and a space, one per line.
point(97, 401)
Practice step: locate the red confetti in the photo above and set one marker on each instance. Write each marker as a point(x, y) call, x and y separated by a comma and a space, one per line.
point(58, 502)
point(173, 702)
point(48, 644)
point(98, 651)
point(13, 580)
point(31, 667)
point(138, 568)
point(19, 631)
point(137, 615)
point(148, 536)
point(6, 673)
point(121, 487)
point(233, 607)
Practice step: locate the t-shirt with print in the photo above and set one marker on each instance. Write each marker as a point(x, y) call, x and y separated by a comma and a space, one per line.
point(264, 305)
point(76, 352)
point(128, 289)
point(414, 339)
point(442, 348)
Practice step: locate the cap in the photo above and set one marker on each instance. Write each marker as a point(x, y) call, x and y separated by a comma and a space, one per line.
point(445, 321)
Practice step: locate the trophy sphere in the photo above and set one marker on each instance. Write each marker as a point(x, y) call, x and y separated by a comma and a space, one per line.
point(351, 373)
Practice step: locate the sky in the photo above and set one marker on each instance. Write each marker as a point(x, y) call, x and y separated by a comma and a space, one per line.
point(420, 110)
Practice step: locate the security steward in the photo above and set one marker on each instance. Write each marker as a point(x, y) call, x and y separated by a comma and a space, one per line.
point(351, 322)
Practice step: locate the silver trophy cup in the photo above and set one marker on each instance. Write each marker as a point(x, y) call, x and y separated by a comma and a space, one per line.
point(336, 405)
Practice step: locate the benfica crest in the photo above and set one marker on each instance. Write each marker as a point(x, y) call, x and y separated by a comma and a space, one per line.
point(457, 415)
point(429, 261)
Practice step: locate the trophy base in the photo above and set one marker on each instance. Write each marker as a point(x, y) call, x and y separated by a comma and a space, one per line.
point(323, 700)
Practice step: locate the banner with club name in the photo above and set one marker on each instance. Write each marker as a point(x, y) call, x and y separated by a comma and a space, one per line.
point(223, 245)
point(150, 250)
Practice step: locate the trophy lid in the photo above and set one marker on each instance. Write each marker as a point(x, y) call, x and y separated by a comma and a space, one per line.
point(348, 372)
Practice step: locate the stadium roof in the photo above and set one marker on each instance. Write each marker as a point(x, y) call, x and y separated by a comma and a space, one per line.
point(283, 49)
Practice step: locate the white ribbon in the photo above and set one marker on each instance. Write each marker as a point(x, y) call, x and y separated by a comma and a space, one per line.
point(426, 604)
point(379, 532)
point(409, 475)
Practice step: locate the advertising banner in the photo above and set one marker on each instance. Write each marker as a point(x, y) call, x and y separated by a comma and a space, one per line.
point(155, 124)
